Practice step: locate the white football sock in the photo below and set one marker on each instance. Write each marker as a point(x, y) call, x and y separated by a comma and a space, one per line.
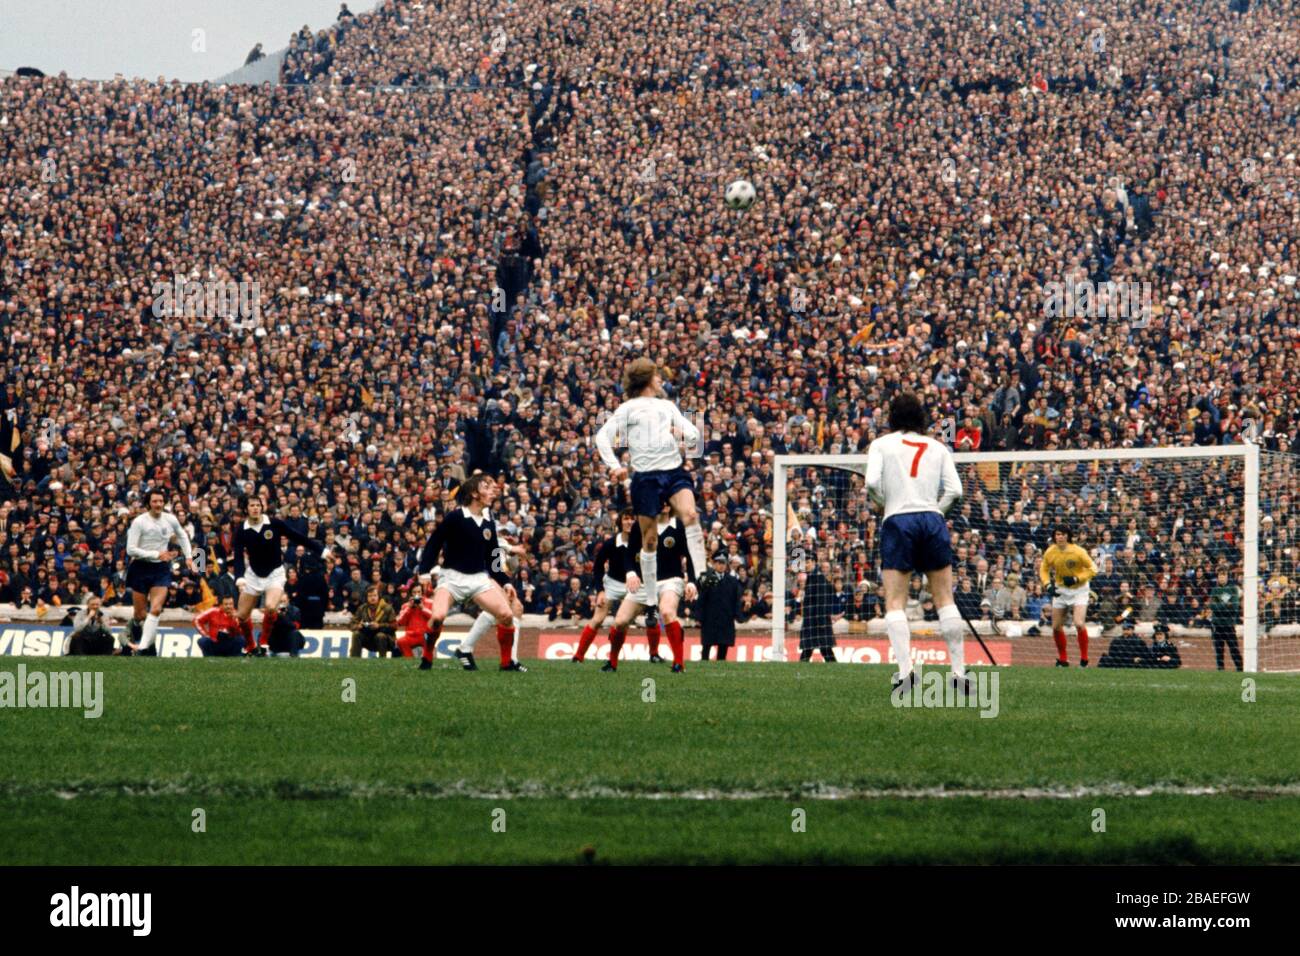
point(650, 576)
point(148, 631)
point(955, 636)
point(695, 545)
point(900, 639)
point(485, 622)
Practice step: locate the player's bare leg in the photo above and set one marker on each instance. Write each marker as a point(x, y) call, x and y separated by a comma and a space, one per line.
point(896, 626)
point(648, 559)
point(591, 628)
point(950, 623)
point(627, 612)
point(668, 603)
point(683, 505)
point(244, 611)
point(153, 605)
point(497, 603)
point(1058, 636)
point(439, 607)
point(487, 621)
point(139, 608)
point(273, 598)
point(1081, 631)
point(652, 632)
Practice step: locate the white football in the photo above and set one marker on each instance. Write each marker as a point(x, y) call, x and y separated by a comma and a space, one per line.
point(740, 194)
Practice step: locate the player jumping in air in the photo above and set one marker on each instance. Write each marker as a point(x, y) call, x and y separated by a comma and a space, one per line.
point(671, 559)
point(1072, 568)
point(914, 480)
point(259, 567)
point(655, 428)
point(467, 541)
point(148, 543)
point(615, 560)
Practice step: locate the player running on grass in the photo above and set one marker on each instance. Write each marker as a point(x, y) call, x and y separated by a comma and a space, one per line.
point(1072, 567)
point(655, 428)
point(672, 558)
point(148, 545)
point(467, 541)
point(615, 560)
point(913, 479)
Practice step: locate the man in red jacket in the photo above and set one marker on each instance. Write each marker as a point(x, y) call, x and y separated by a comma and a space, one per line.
point(220, 627)
point(415, 616)
point(970, 437)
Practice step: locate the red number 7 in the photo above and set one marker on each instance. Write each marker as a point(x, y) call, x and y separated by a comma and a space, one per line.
point(920, 447)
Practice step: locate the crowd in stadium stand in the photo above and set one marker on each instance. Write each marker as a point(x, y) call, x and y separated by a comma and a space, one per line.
point(464, 218)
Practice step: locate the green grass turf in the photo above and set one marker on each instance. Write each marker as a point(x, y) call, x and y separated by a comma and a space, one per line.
point(288, 772)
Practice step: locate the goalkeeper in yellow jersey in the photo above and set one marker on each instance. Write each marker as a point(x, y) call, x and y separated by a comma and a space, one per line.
point(1065, 572)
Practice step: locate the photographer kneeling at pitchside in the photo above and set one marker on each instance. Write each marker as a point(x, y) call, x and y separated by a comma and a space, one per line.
point(90, 634)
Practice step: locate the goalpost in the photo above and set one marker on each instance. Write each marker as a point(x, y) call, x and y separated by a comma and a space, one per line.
point(1163, 524)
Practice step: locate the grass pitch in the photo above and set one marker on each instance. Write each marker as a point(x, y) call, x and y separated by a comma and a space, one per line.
point(568, 764)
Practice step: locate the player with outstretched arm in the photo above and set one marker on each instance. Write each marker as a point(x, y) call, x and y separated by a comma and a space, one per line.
point(259, 567)
point(654, 428)
point(466, 539)
point(913, 479)
point(1065, 572)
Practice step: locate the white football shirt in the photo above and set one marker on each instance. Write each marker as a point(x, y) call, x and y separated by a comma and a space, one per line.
point(147, 536)
point(907, 473)
point(646, 426)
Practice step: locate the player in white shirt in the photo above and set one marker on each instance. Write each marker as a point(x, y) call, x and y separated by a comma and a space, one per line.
point(914, 480)
point(654, 429)
point(148, 545)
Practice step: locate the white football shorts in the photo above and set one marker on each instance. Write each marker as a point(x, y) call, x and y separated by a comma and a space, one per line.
point(615, 591)
point(1070, 597)
point(674, 585)
point(464, 587)
point(251, 583)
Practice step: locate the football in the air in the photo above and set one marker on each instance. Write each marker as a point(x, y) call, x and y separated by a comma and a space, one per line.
point(740, 194)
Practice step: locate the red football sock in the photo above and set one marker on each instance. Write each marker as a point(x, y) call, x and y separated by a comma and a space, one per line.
point(1083, 643)
point(677, 642)
point(1058, 635)
point(430, 639)
point(268, 622)
point(584, 642)
point(506, 638)
point(652, 635)
point(616, 637)
point(246, 628)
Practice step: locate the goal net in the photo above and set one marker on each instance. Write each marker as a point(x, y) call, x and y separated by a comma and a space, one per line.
point(1196, 548)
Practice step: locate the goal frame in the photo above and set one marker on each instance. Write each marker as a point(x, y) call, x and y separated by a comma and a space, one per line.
point(857, 464)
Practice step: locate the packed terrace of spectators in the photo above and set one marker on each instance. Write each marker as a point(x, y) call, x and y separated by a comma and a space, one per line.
point(923, 170)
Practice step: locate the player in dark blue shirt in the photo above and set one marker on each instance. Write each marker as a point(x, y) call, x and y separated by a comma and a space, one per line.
point(259, 567)
point(473, 568)
point(675, 580)
point(614, 560)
